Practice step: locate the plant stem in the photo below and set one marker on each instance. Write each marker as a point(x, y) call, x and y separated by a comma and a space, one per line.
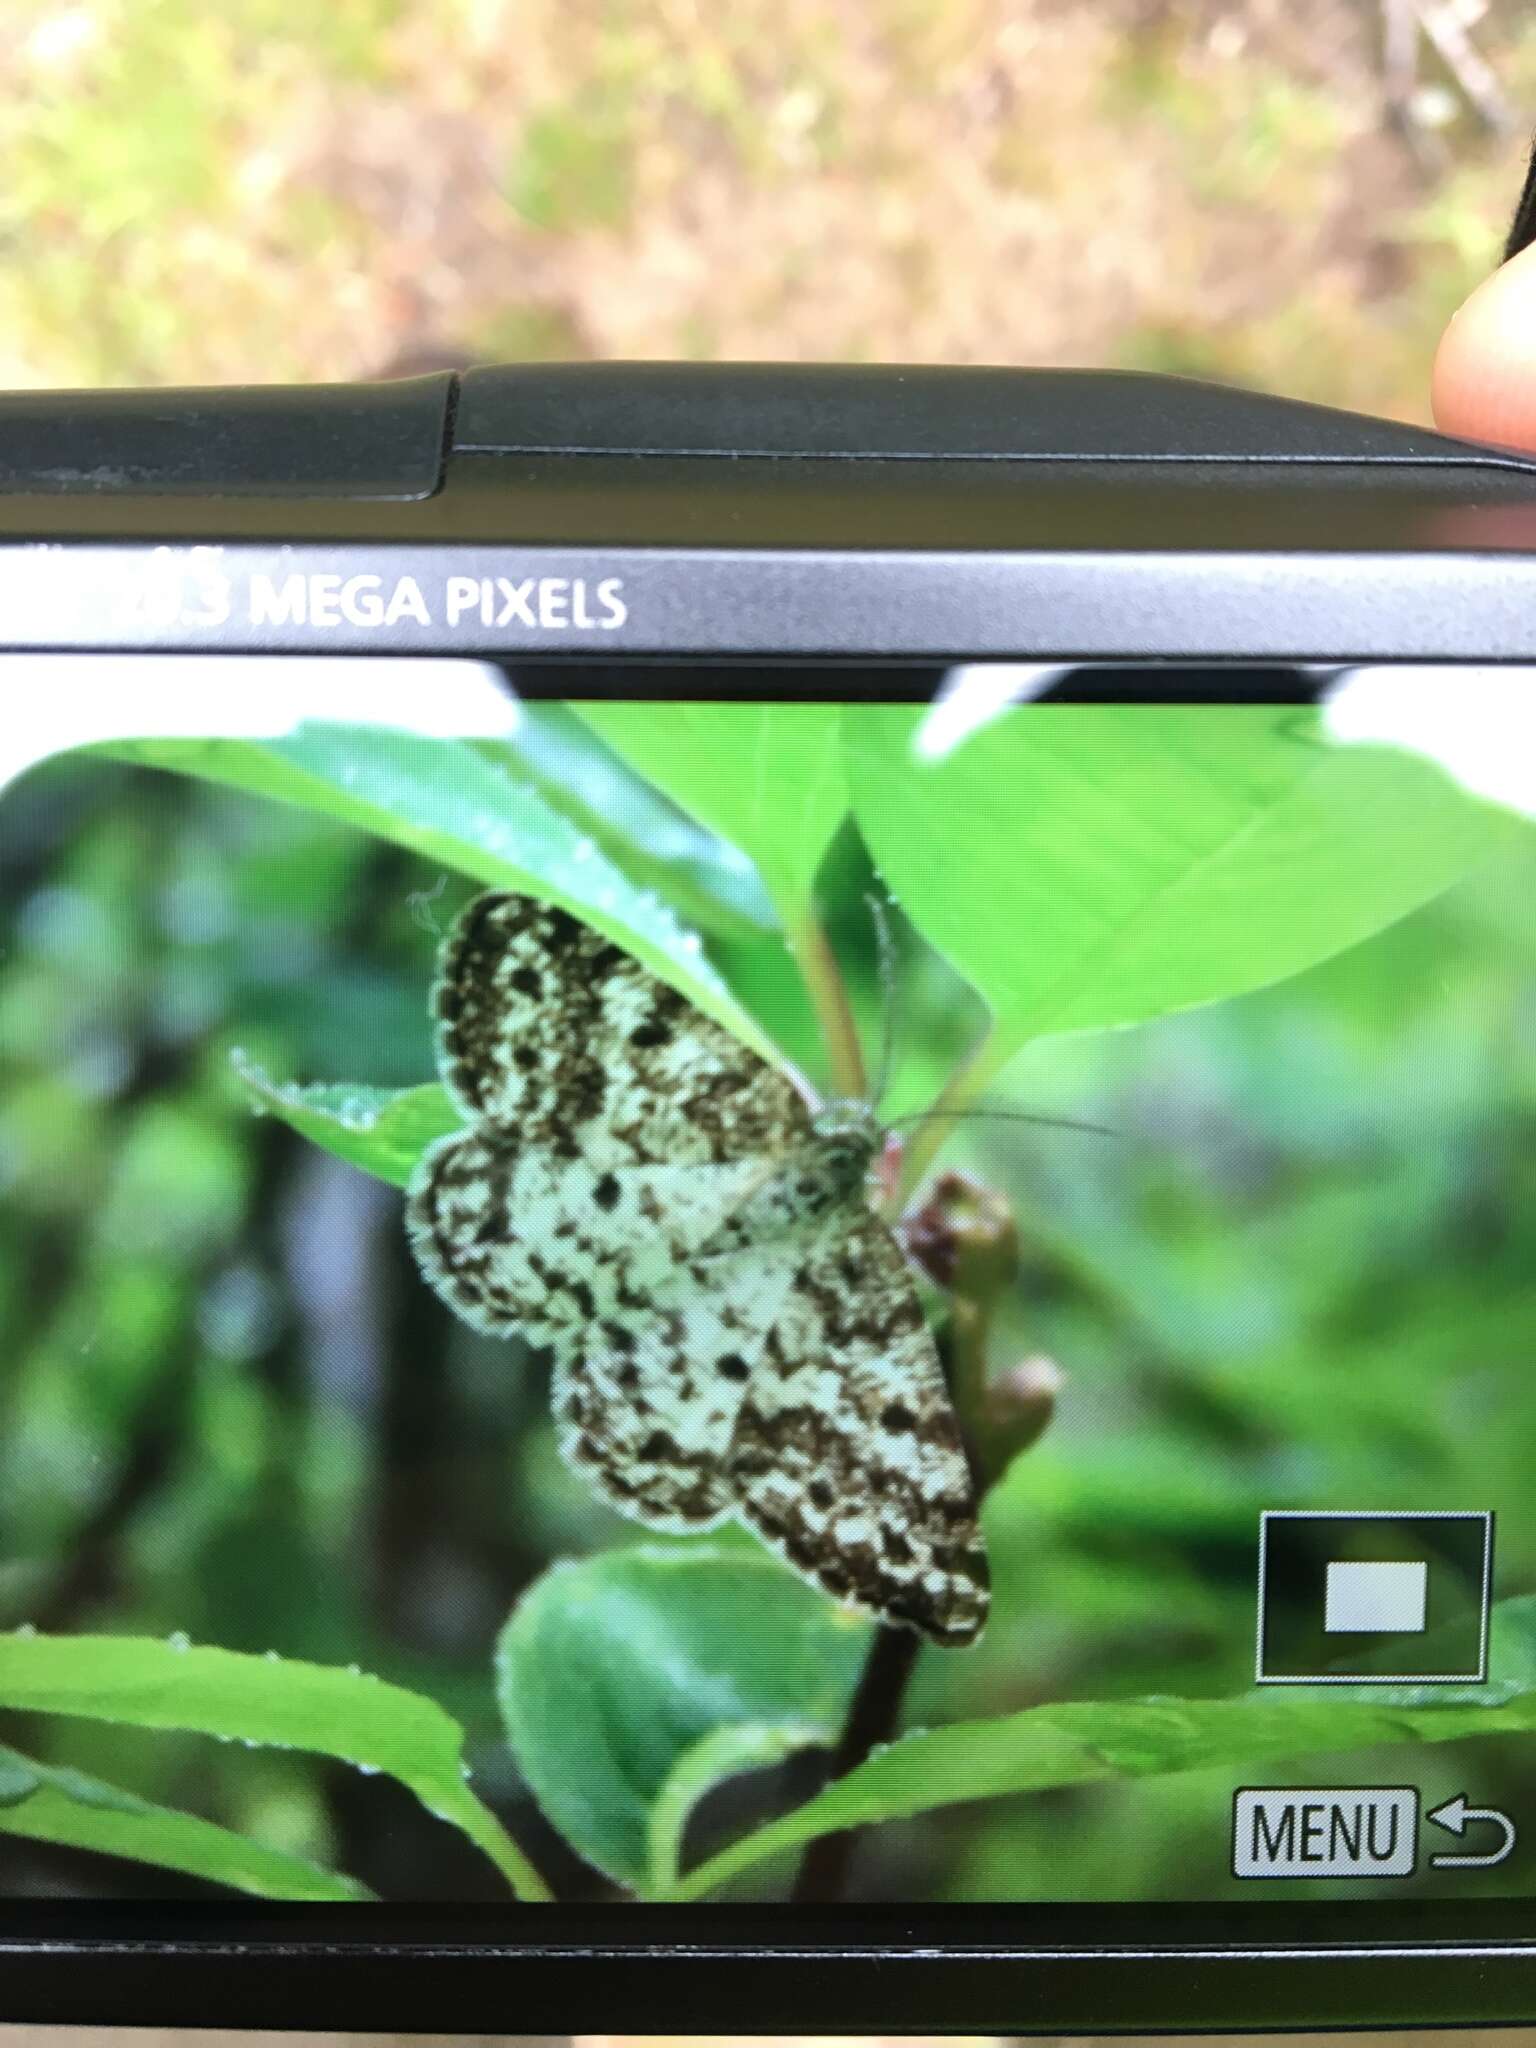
point(872, 1717)
point(829, 995)
point(964, 1341)
point(961, 1089)
point(975, 1228)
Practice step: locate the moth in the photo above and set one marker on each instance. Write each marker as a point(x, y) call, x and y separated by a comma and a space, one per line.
point(734, 1331)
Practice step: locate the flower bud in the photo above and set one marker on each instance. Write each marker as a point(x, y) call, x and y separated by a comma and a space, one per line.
point(964, 1237)
point(1017, 1407)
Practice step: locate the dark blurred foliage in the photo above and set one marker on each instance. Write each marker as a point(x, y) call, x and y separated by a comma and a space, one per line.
point(229, 1408)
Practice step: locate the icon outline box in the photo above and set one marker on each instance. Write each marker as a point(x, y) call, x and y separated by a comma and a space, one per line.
point(1485, 1594)
point(1408, 1793)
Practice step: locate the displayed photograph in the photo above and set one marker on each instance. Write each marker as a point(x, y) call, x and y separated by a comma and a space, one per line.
point(900, 1288)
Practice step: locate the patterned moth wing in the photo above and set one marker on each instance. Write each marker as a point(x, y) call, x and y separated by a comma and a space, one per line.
point(613, 1129)
point(734, 1331)
point(846, 1454)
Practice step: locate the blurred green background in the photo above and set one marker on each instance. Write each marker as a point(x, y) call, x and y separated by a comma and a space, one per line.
point(1297, 1275)
point(1260, 191)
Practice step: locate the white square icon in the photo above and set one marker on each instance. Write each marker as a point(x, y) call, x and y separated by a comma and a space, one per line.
point(1376, 1599)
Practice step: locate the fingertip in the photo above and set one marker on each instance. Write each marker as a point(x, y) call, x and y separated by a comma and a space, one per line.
point(1483, 385)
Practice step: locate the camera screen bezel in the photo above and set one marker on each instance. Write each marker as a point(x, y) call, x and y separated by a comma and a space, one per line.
point(1179, 1968)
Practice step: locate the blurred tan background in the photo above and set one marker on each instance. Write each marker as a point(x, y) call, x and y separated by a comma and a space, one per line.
point(1289, 194)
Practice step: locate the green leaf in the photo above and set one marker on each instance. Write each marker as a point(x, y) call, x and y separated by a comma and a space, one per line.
point(766, 777)
point(726, 1752)
point(710, 883)
point(19, 1777)
point(47, 1804)
point(1087, 1742)
point(1094, 865)
point(632, 1682)
point(270, 1701)
point(453, 804)
point(384, 1131)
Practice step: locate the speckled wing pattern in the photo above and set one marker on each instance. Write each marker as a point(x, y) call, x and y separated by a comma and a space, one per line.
point(846, 1454)
point(734, 1331)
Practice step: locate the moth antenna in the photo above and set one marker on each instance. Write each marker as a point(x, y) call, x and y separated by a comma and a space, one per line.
point(885, 953)
point(1008, 1116)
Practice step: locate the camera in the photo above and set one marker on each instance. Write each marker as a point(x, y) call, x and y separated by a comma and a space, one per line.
point(765, 1205)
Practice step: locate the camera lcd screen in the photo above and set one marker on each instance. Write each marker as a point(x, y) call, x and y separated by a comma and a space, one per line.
point(565, 1235)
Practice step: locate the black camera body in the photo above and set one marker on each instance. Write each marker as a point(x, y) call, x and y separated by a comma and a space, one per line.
point(1025, 543)
point(661, 510)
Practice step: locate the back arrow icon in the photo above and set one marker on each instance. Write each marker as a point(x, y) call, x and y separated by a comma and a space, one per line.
point(1454, 1816)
